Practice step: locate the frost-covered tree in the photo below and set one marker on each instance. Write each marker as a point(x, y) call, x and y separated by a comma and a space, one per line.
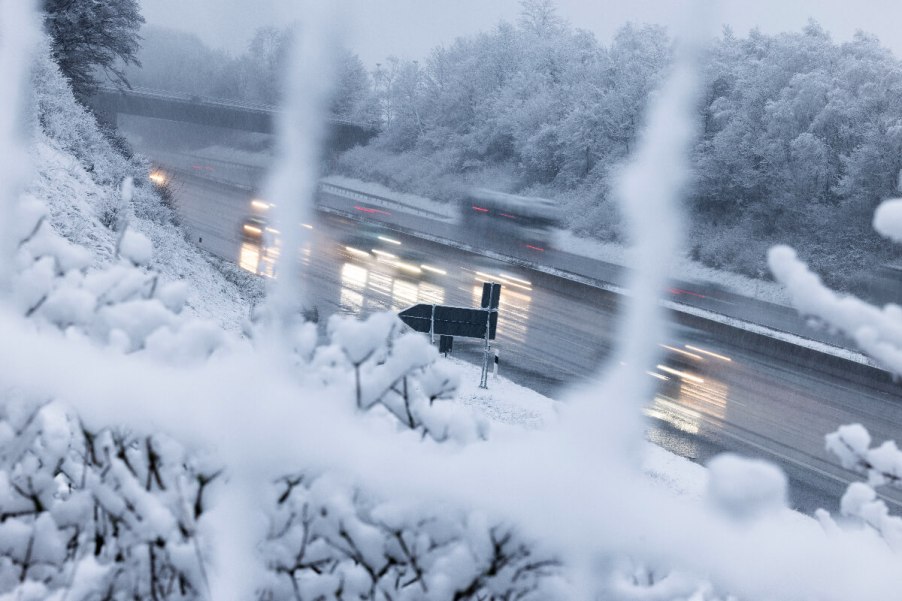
point(93, 39)
point(539, 17)
point(352, 96)
point(180, 62)
point(265, 62)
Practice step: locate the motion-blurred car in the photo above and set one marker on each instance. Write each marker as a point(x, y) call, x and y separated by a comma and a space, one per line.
point(381, 247)
point(253, 230)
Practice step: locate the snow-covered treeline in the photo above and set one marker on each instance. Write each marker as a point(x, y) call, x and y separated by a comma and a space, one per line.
point(147, 454)
point(801, 135)
point(180, 62)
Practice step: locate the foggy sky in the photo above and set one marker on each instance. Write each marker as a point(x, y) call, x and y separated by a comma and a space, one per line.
point(410, 28)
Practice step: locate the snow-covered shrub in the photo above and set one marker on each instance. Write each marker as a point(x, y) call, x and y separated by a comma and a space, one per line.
point(71, 125)
point(882, 466)
point(328, 540)
point(97, 512)
point(94, 514)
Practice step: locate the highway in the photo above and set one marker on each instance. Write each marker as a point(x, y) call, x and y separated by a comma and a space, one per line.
point(722, 391)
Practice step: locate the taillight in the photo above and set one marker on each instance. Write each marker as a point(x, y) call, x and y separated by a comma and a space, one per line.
point(369, 210)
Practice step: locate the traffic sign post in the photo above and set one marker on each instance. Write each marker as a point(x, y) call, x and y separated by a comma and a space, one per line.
point(448, 322)
point(491, 296)
point(445, 343)
point(497, 361)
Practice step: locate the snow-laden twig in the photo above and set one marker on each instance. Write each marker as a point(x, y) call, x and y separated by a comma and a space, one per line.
point(877, 331)
point(882, 466)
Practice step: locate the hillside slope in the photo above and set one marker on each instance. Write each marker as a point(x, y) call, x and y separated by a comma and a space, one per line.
point(78, 175)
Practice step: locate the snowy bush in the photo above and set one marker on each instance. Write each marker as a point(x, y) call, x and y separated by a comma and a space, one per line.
point(94, 513)
point(328, 540)
point(882, 466)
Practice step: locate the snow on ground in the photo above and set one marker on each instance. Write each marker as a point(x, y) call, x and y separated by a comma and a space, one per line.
point(375, 189)
point(509, 405)
point(73, 198)
point(504, 402)
point(688, 269)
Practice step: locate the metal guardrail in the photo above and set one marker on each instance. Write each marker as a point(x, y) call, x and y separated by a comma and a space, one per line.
point(379, 200)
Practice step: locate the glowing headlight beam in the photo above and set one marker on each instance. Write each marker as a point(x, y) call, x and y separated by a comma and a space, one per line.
point(357, 252)
point(431, 269)
point(513, 279)
point(681, 374)
point(709, 353)
point(680, 351)
point(382, 253)
point(260, 205)
point(482, 276)
point(407, 267)
point(390, 240)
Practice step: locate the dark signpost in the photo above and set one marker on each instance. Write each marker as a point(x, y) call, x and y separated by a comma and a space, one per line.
point(448, 322)
point(445, 343)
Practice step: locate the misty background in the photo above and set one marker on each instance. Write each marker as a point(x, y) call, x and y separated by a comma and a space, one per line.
point(410, 28)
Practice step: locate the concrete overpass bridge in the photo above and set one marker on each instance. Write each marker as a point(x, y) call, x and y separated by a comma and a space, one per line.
point(109, 103)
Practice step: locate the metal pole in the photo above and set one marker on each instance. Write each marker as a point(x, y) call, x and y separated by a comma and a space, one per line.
point(432, 327)
point(484, 380)
point(497, 360)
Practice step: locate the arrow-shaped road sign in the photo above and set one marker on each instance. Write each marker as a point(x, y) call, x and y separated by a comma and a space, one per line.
point(459, 321)
point(450, 321)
